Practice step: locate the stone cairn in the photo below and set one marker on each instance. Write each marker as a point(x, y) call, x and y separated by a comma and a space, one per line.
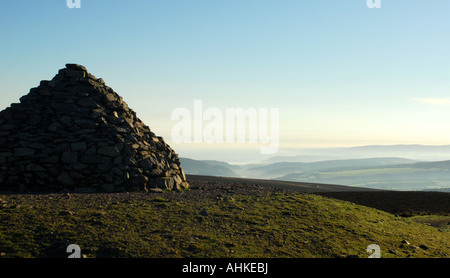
point(75, 134)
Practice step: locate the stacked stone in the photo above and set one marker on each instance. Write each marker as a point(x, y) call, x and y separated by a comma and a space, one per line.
point(76, 134)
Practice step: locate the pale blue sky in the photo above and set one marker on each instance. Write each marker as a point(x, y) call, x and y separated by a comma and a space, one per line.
point(340, 73)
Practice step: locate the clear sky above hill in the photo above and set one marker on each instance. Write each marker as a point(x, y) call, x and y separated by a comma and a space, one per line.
point(340, 74)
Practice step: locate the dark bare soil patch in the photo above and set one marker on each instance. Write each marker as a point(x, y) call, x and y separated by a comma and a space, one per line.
point(399, 202)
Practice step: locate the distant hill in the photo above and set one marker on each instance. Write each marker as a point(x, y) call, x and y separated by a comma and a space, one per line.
point(389, 173)
point(415, 176)
point(207, 167)
point(278, 169)
point(415, 152)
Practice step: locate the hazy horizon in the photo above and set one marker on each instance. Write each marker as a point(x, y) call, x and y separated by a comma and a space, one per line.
point(252, 155)
point(340, 74)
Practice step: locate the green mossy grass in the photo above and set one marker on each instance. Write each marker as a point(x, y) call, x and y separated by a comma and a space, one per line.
point(274, 225)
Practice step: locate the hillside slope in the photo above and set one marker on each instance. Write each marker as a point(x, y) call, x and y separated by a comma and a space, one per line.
point(213, 219)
